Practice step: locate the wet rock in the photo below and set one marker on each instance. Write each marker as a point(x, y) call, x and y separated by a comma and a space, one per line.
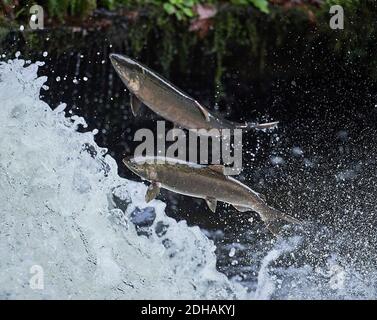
point(167, 243)
point(146, 232)
point(90, 149)
point(161, 228)
point(120, 198)
point(143, 217)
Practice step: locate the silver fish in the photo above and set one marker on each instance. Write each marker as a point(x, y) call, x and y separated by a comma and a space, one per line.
point(150, 89)
point(205, 182)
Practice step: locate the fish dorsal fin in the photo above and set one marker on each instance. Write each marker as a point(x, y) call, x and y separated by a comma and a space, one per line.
point(212, 203)
point(152, 192)
point(203, 110)
point(241, 209)
point(217, 167)
point(136, 105)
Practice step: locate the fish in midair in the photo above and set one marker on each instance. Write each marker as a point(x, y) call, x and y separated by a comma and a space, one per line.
point(148, 88)
point(205, 182)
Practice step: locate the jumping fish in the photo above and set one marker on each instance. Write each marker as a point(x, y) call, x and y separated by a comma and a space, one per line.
point(205, 182)
point(148, 88)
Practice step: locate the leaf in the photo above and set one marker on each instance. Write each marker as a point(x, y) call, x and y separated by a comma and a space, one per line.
point(262, 5)
point(189, 3)
point(179, 15)
point(169, 8)
point(188, 12)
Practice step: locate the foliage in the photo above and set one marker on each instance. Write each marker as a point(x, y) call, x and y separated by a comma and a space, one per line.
point(63, 8)
point(344, 3)
point(167, 45)
point(181, 9)
point(262, 5)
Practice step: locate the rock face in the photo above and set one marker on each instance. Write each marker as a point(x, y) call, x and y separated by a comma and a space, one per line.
point(70, 226)
point(143, 217)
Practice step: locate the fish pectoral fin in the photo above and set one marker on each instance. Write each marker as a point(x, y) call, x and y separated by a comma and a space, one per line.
point(152, 192)
point(212, 203)
point(203, 110)
point(241, 208)
point(136, 105)
point(217, 167)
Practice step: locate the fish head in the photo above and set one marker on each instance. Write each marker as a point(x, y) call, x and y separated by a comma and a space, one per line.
point(128, 70)
point(141, 167)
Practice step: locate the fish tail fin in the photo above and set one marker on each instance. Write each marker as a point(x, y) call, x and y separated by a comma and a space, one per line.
point(275, 219)
point(257, 126)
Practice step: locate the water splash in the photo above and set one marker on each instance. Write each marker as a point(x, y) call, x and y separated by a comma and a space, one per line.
point(314, 263)
point(65, 209)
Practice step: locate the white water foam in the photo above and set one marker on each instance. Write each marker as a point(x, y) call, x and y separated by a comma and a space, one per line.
point(57, 213)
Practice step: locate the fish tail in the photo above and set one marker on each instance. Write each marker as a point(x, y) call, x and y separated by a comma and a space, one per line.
point(275, 219)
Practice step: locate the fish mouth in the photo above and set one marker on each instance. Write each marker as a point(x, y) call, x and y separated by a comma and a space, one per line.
point(130, 165)
point(128, 161)
point(115, 58)
point(119, 60)
point(127, 69)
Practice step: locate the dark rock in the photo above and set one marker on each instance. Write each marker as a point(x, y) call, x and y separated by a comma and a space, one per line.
point(167, 243)
point(90, 149)
point(143, 217)
point(161, 228)
point(146, 232)
point(120, 198)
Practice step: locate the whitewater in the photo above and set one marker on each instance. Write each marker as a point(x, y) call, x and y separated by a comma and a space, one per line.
point(64, 209)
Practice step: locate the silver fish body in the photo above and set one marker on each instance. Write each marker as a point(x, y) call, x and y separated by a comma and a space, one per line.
point(206, 182)
point(169, 102)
